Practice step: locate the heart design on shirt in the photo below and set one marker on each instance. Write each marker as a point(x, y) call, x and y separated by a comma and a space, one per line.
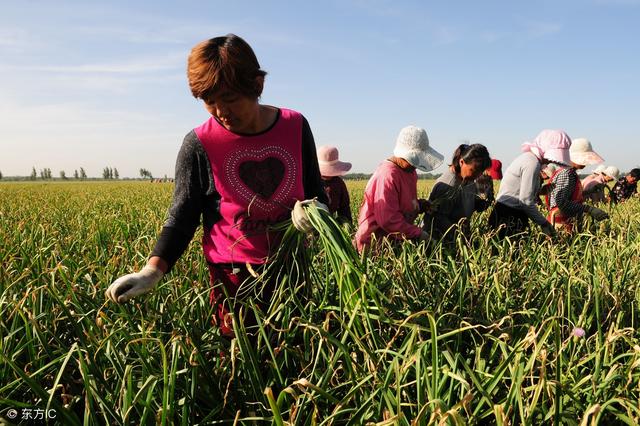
point(262, 177)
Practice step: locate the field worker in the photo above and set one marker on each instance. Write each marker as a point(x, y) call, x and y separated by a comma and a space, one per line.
point(484, 183)
point(454, 196)
point(545, 179)
point(565, 201)
point(594, 185)
point(242, 171)
point(390, 205)
point(331, 168)
point(626, 187)
point(516, 202)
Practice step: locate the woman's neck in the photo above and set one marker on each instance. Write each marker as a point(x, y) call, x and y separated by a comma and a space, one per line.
point(402, 163)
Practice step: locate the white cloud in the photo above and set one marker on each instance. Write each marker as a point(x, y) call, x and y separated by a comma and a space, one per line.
point(136, 66)
point(445, 35)
point(538, 29)
point(66, 136)
point(619, 2)
point(491, 36)
point(15, 40)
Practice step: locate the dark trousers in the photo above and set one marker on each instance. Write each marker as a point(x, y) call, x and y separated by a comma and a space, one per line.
point(226, 282)
point(508, 221)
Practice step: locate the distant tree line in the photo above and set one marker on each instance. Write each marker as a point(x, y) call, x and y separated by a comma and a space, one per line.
point(78, 174)
point(145, 174)
point(110, 173)
point(366, 176)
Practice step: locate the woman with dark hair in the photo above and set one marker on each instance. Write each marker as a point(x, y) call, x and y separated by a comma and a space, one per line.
point(454, 196)
point(241, 172)
point(626, 187)
point(484, 182)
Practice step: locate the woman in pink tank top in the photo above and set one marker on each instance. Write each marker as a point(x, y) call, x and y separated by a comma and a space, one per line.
point(239, 173)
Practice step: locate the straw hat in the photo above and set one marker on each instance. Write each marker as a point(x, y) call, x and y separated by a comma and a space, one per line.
point(329, 163)
point(412, 145)
point(582, 153)
point(612, 172)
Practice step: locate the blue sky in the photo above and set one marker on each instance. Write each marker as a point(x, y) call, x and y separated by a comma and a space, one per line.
point(95, 84)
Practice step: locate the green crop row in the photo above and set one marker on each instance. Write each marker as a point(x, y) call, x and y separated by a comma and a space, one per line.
point(487, 331)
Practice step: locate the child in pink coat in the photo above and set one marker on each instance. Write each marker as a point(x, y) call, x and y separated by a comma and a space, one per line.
point(390, 205)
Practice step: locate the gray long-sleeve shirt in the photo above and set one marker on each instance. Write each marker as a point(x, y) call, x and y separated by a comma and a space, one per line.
point(520, 186)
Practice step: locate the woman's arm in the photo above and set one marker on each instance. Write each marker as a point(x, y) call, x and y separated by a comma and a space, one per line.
point(194, 192)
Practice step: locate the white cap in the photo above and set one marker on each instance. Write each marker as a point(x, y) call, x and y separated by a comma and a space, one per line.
point(612, 172)
point(412, 145)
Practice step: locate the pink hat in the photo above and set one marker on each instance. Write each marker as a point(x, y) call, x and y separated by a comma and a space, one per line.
point(329, 163)
point(552, 145)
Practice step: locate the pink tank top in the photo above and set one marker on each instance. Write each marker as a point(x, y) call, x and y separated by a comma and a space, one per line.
point(259, 179)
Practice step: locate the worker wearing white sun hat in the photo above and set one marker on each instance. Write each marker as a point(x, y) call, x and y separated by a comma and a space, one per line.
point(390, 205)
point(594, 185)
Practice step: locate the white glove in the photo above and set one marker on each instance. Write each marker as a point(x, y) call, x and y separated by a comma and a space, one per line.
point(299, 216)
point(132, 285)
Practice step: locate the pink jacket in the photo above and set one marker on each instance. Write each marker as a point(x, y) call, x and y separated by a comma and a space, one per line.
point(390, 205)
point(591, 181)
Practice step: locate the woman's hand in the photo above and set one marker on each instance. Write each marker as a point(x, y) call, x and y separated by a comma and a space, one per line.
point(135, 284)
point(299, 216)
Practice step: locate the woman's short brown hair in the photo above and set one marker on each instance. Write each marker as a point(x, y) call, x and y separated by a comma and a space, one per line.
point(224, 63)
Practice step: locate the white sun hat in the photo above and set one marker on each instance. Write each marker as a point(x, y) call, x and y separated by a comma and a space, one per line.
point(412, 145)
point(582, 153)
point(599, 169)
point(612, 172)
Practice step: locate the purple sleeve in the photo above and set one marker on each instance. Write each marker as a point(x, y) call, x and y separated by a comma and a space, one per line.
point(344, 211)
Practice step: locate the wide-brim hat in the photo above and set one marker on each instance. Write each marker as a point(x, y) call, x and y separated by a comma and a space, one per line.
point(582, 153)
point(612, 171)
point(412, 145)
point(329, 163)
point(552, 145)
